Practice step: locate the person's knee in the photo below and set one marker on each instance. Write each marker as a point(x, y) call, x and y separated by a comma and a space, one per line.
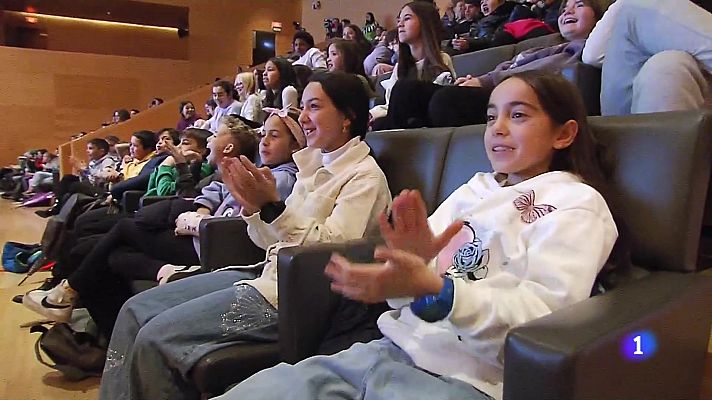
point(669, 80)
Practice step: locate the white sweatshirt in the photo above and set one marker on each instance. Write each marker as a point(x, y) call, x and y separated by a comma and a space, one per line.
point(538, 247)
point(595, 49)
point(313, 58)
point(338, 197)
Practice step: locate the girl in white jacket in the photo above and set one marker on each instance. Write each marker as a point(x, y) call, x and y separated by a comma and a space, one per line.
point(505, 248)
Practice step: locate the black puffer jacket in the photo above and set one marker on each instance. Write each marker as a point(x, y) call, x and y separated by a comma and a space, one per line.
point(490, 30)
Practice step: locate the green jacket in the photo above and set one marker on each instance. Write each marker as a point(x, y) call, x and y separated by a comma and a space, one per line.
point(162, 181)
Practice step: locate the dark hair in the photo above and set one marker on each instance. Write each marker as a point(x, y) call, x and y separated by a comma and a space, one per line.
point(100, 144)
point(124, 114)
point(199, 135)
point(147, 139)
point(156, 101)
point(175, 135)
point(211, 103)
point(350, 54)
point(562, 102)
point(360, 39)
point(227, 87)
point(391, 35)
point(599, 7)
point(370, 18)
point(287, 77)
point(430, 27)
point(112, 139)
point(348, 95)
point(185, 103)
point(305, 36)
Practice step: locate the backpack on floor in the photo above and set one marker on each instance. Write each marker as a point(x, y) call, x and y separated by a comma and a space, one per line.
point(16, 256)
point(76, 354)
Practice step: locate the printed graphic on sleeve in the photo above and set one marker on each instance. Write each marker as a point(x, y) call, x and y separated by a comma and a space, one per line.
point(530, 211)
point(464, 256)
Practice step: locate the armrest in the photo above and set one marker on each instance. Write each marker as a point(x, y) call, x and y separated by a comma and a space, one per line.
point(306, 301)
point(588, 80)
point(224, 241)
point(576, 352)
point(131, 201)
point(147, 201)
point(481, 62)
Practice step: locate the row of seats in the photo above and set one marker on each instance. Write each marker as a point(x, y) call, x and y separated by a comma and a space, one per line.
point(660, 186)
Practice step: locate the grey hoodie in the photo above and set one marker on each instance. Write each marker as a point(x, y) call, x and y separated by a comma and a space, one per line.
point(220, 202)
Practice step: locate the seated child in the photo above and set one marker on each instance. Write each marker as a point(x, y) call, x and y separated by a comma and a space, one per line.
point(505, 248)
point(186, 158)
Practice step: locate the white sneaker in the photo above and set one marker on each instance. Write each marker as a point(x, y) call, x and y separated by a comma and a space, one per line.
point(170, 272)
point(56, 304)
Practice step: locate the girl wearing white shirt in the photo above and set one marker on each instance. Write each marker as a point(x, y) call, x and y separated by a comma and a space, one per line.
point(280, 83)
point(505, 248)
point(419, 55)
point(250, 99)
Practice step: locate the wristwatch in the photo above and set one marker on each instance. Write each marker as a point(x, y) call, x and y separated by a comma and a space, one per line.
point(272, 211)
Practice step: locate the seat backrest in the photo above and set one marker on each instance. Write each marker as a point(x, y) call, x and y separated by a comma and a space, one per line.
point(660, 184)
point(412, 159)
point(465, 156)
point(659, 187)
point(482, 61)
point(541, 41)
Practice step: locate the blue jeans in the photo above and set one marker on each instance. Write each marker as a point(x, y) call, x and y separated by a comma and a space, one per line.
point(378, 370)
point(643, 29)
point(161, 334)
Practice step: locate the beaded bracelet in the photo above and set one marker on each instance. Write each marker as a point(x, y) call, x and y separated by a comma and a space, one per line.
point(435, 308)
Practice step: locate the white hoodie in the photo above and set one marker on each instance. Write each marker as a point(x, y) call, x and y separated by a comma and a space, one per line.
point(538, 247)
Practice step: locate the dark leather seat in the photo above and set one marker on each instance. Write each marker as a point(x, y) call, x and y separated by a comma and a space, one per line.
point(661, 182)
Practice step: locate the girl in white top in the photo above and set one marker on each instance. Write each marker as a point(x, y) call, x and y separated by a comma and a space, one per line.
point(505, 248)
point(280, 83)
point(246, 87)
point(419, 55)
point(340, 191)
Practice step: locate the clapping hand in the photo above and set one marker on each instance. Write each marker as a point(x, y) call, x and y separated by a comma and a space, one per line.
point(401, 274)
point(408, 229)
point(252, 187)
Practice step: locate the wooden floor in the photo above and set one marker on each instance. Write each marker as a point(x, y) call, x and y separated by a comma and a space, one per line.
point(21, 376)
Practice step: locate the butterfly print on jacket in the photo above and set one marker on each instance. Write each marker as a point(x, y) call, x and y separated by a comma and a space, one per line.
point(530, 211)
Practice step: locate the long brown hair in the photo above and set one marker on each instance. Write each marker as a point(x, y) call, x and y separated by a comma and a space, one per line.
point(351, 56)
point(430, 27)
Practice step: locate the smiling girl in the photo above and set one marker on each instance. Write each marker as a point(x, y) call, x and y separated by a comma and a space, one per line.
point(505, 248)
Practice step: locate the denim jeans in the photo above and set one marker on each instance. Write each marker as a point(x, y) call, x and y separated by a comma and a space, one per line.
point(161, 334)
point(378, 370)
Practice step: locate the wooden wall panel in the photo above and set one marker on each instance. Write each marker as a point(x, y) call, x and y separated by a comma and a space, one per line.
point(47, 96)
point(64, 93)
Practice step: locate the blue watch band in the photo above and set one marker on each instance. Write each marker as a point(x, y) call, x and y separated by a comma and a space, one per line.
point(435, 308)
